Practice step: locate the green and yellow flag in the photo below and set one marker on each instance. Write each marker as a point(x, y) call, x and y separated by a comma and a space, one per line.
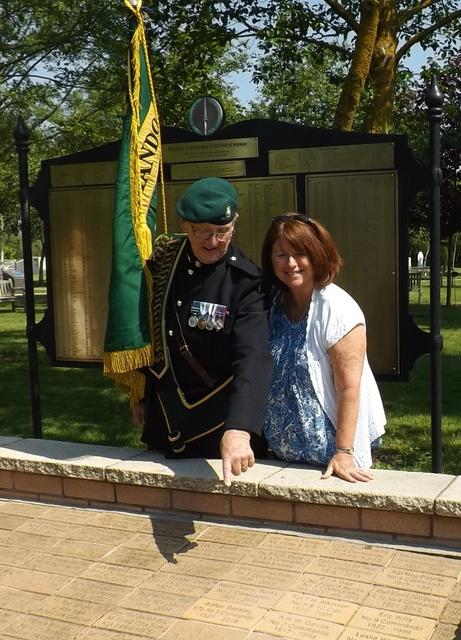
point(127, 345)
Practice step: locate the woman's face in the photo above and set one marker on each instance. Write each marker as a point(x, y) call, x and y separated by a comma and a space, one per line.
point(209, 242)
point(291, 267)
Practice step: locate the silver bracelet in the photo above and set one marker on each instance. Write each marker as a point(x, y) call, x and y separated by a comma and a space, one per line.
point(348, 450)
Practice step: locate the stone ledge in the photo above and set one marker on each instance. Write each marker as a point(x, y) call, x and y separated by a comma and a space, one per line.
point(398, 491)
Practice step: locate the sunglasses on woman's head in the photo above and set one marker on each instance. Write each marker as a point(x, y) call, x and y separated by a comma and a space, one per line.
point(286, 217)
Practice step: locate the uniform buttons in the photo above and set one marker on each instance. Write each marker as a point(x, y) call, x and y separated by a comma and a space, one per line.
point(190, 272)
point(170, 332)
point(198, 264)
point(178, 303)
point(233, 258)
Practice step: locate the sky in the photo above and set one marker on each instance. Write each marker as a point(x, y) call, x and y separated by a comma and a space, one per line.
point(246, 91)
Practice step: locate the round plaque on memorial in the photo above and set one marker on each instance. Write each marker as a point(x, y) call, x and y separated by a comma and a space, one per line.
point(205, 116)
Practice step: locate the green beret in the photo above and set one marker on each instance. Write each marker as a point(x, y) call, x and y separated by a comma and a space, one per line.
point(208, 200)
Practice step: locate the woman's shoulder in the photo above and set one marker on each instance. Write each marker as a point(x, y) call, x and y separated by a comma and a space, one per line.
point(336, 300)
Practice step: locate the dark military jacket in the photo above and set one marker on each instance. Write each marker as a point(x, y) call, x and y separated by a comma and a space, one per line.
point(232, 394)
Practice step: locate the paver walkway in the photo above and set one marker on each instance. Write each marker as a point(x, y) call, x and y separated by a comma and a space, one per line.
point(70, 573)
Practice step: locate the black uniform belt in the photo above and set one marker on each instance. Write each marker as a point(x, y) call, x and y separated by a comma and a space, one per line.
point(189, 421)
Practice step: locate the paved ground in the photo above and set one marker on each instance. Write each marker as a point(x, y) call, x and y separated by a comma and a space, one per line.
point(70, 573)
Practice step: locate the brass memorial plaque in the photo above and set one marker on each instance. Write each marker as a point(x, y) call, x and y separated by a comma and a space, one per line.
point(70, 175)
point(360, 211)
point(81, 244)
point(358, 157)
point(195, 171)
point(259, 199)
point(210, 150)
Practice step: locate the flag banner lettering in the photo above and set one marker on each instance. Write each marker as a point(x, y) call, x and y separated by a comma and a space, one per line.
point(127, 345)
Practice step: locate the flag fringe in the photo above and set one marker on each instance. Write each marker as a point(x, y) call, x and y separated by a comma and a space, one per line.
point(127, 360)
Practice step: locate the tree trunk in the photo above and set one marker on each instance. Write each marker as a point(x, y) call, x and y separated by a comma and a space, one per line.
point(382, 72)
point(353, 87)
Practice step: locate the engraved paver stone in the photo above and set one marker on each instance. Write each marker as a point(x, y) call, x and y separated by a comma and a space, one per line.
point(57, 564)
point(277, 559)
point(452, 613)
point(228, 535)
point(446, 632)
point(344, 569)
point(11, 522)
point(416, 581)
point(68, 610)
point(127, 557)
point(361, 634)
point(310, 546)
point(245, 594)
point(92, 591)
point(26, 540)
point(12, 557)
point(19, 600)
point(78, 549)
point(328, 587)
point(290, 625)
point(199, 567)
point(39, 581)
point(170, 604)
point(430, 564)
point(455, 593)
point(393, 623)
point(227, 613)
point(159, 544)
point(23, 508)
point(6, 618)
point(314, 607)
point(358, 553)
point(72, 516)
point(105, 634)
point(193, 586)
point(416, 604)
point(251, 574)
point(127, 576)
point(30, 627)
point(135, 622)
point(214, 551)
point(175, 528)
point(192, 630)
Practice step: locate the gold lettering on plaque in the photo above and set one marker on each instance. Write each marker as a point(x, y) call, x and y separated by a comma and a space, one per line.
point(359, 209)
point(80, 175)
point(259, 200)
point(81, 244)
point(191, 171)
point(210, 150)
point(357, 157)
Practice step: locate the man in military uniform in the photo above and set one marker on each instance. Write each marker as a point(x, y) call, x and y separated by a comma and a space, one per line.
point(207, 390)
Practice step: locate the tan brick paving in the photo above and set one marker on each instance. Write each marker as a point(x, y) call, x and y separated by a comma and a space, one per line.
point(86, 574)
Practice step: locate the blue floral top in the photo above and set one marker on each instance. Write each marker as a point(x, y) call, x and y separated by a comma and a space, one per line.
point(296, 426)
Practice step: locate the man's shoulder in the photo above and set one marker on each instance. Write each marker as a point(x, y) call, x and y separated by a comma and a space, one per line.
point(237, 259)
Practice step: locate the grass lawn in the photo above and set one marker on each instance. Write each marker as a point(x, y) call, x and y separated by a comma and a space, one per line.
point(80, 405)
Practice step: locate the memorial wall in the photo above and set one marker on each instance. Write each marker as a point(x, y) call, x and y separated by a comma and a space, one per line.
point(352, 187)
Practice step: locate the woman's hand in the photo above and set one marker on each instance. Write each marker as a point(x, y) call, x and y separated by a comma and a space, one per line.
point(342, 465)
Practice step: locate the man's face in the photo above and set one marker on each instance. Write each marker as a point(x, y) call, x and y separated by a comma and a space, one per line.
point(209, 242)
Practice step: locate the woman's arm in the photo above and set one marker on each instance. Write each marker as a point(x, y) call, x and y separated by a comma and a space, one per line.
point(347, 357)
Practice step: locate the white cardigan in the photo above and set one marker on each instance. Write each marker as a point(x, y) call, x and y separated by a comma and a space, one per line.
point(332, 314)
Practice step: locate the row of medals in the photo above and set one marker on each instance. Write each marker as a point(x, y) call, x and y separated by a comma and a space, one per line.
point(207, 315)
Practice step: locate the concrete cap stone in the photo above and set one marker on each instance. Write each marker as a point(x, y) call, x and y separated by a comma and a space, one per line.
point(449, 501)
point(193, 474)
point(390, 490)
point(54, 457)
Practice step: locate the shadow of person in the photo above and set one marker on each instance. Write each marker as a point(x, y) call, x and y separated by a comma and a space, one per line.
point(172, 534)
